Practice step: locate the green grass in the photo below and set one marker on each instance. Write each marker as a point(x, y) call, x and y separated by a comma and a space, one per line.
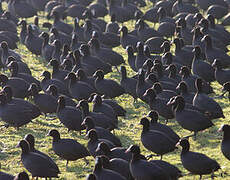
point(207, 142)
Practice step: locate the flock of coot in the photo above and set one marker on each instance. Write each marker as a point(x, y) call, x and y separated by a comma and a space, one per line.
point(176, 51)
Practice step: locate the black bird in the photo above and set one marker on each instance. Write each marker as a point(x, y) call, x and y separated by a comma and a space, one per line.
point(159, 105)
point(206, 103)
point(71, 117)
point(102, 173)
point(33, 43)
point(35, 163)
point(107, 87)
point(94, 141)
point(14, 114)
point(189, 119)
point(101, 132)
point(156, 141)
point(31, 141)
point(129, 84)
point(100, 107)
point(100, 119)
point(112, 153)
point(45, 102)
point(13, 66)
point(196, 163)
point(225, 144)
point(154, 125)
point(226, 88)
point(94, 62)
point(32, 109)
point(47, 49)
point(21, 176)
point(118, 165)
point(198, 66)
point(47, 81)
point(222, 75)
point(53, 90)
point(78, 89)
point(142, 169)
point(67, 149)
point(19, 86)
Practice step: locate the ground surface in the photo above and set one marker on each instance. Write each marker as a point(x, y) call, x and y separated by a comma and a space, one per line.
point(207, 142)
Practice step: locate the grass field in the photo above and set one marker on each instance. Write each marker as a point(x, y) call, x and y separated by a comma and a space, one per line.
point(207, 142)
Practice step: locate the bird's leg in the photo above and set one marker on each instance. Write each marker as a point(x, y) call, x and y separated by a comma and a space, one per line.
point(150, 156)
point(200, 177)
point(186, 137)
point(222, 95)
point(166, 121)
point(86, 162)
point(50, 117)
point(67, 162)
point(194, 135)
point(117, 69)
point(5, 125)
point(134, 100)
point(161, 157)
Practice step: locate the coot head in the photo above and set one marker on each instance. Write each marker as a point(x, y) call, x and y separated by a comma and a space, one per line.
point(4, 45)
point(224, 128)
point(52, 89)
point(184, 143)
point(226, 87)
point(99, 74)
point(92, 134)
point(88, 122)
point(8, 92)
point(184, 71)
point(103, 147)
point(197, 51)
point(80, 74)
point(55, 134)
point(71, 76)
point(145, 123)
point(216, 63)
point(22, 176)
point(129, 50)
point(124, 30)
point(54, 63)
point(134, 149)
point(33, 89)
point(84, 49)
point(83, 104)
point(24, 145)
point(199, 84)
point(154, 116)
point(3, 78)
point(150, 93)
point(10, 59)
point(30, 139)
point(157, 87)
point(46, 74)
point(91, 177)
point(182, 87)
point(166, 46)
point(207, 39)
point(97, 99)
point(13, 65)
point(61, 100)
point(44, 35)
point(148, 64)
